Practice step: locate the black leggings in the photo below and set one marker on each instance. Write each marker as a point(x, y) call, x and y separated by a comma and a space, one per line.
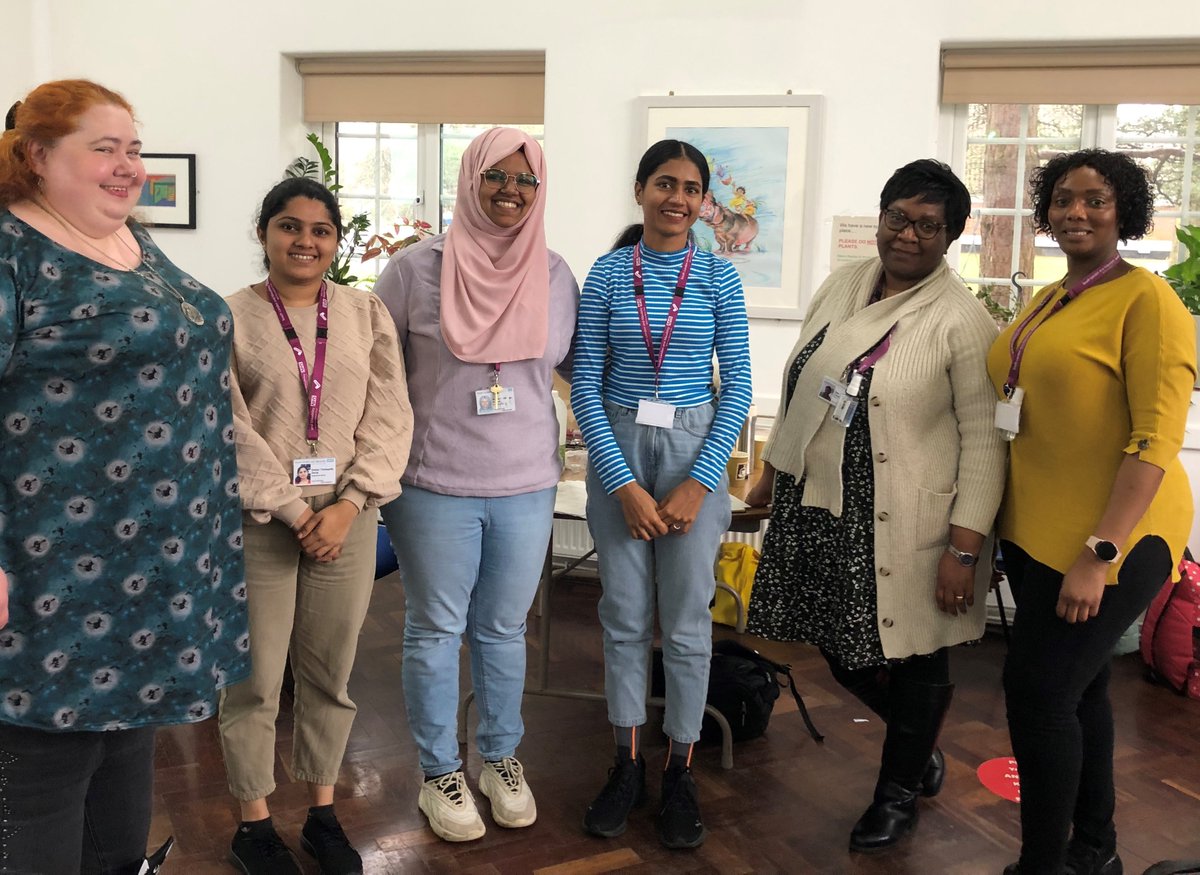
point(1056, 690)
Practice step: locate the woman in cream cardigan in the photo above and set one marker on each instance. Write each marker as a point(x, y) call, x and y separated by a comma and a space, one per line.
point(887, 472)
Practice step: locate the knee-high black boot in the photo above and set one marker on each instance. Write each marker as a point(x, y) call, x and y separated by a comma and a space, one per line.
point(870, 686)
point(916, 713)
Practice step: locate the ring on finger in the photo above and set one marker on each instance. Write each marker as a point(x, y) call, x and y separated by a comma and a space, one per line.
point(676, 527)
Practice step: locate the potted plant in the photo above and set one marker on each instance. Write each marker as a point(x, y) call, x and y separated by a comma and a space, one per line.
point(1184, 277)
point(357, 225)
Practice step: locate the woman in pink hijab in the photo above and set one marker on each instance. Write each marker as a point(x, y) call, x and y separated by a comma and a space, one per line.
point(485, 313)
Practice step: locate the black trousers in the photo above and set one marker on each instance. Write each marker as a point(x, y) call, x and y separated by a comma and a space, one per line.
point(1056, 691)
point(75, 802)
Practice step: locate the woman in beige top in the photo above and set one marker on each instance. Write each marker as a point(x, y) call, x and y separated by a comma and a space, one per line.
point(323, 427)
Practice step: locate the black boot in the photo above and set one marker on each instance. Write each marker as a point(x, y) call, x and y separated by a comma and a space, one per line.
point(916, 712)
point(1088, 858)
point(870, 686)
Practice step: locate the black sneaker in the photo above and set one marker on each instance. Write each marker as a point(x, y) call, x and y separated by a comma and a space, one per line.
point(679, 824)
point(258, 850)
point(324, 839)
point(625, 790)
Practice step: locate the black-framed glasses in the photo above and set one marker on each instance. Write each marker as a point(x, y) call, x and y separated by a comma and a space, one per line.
point(925, 229)
point(494, 176)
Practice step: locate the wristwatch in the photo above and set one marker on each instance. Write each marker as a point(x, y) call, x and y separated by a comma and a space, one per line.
point(966, 560)
point(1106, 551)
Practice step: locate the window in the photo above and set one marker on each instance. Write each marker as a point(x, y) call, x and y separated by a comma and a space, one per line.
point(1001, 144)
point(1017, 105)
point(397, 172)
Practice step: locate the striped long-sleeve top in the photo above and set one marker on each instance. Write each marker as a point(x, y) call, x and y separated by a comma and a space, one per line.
point(612, 363)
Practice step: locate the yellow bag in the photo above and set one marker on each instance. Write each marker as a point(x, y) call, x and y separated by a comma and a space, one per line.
point(736, 564)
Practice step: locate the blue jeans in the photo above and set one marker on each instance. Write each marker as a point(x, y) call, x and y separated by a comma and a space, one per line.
point(673, 571)
point(468, 565)
point(75, 802)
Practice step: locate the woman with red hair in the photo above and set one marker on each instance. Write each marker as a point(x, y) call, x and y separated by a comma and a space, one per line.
point(120, 522)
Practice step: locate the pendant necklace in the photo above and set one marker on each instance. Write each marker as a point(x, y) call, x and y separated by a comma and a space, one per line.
point(150, 274)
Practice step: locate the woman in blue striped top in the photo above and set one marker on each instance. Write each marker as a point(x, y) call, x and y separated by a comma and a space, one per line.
point(653, 311)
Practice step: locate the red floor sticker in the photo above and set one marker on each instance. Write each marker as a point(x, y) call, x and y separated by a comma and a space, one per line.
point(1000, 776)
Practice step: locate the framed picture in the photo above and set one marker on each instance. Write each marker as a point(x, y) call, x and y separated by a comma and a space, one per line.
point(759, 213)
point(168, 198)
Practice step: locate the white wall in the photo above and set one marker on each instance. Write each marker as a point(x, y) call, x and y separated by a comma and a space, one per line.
point(211, 78)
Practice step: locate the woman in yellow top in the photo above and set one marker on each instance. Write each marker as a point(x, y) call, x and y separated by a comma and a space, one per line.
point(1099, 369)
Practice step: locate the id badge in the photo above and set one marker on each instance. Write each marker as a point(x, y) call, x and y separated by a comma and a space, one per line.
point(832, 391)
point(315, 471)
point(1008, 414)
point(488, 402)
point(843, 410)
point(657, 413)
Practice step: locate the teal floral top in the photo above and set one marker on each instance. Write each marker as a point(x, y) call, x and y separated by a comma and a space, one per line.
point(120, 520)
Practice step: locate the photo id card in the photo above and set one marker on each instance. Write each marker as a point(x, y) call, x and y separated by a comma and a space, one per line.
point(657, 413)
point(316, 471)
point(488, 402)
point(831, 391)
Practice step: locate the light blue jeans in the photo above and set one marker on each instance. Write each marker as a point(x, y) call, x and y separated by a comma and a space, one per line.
point(468, 565)
point(673, 571)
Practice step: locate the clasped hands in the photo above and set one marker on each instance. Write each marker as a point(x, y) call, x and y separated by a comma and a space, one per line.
point(674, 515)
point(321, 533)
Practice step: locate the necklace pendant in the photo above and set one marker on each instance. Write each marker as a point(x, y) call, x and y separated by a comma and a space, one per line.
point(193, 315)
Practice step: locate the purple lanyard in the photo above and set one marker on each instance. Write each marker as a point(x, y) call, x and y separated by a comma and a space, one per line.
point(639, 296)
point(868, 361)
point(1017, 344)
point(313, 388)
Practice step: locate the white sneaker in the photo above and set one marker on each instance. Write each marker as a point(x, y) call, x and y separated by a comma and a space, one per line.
point(450, 807)
point(512, 801)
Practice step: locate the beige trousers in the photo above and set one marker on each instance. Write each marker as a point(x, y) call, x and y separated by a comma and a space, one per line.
point(315, 610)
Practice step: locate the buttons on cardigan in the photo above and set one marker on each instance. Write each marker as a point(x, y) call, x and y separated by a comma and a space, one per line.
point(875, 402)
point(881, 457)
point(882, 516)
point(886, 622)
point(885, 572)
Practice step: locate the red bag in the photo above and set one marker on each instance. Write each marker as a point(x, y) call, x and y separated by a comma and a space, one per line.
point(1170, 639)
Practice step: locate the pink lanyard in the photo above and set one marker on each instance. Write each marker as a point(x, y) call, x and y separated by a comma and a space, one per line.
point(1017, 344)
point(868, 361)
point(313, 388)
point(639, 296)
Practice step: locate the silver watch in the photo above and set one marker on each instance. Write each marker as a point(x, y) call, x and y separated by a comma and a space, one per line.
point(967, 560)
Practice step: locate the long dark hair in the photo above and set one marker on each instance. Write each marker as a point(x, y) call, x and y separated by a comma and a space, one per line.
point(655, 157)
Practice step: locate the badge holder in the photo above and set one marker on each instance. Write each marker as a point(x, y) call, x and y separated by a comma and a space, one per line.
point(496, 398)
point(1008, 414)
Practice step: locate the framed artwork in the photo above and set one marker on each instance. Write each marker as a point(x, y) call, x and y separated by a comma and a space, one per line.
point(168, 198)
point(759, 213)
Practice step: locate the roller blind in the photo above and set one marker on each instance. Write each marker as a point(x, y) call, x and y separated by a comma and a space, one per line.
point(425, 88)
point(1131, 72)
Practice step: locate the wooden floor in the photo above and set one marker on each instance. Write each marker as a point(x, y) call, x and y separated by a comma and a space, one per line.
point(786, 807)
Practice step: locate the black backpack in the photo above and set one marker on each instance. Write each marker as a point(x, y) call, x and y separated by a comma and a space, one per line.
point(743, 685)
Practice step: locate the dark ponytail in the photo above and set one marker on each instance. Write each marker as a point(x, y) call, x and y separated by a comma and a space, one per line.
point(629, 236)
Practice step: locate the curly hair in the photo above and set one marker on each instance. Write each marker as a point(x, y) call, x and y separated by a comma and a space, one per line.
point(1128, 180)
point(46, 115)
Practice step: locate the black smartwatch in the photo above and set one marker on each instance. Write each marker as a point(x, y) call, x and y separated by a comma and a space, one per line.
point(966, 560)
point(1106, 551)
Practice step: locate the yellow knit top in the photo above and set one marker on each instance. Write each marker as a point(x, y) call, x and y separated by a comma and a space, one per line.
point(1109, 374)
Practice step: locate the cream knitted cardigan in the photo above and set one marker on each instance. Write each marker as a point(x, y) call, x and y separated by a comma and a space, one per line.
point(938, 459)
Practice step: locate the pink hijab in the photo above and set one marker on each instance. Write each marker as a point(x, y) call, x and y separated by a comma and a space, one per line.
point(496, 281)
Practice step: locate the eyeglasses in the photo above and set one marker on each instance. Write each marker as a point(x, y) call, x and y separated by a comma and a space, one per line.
point(894, 220)
point(496, 177)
